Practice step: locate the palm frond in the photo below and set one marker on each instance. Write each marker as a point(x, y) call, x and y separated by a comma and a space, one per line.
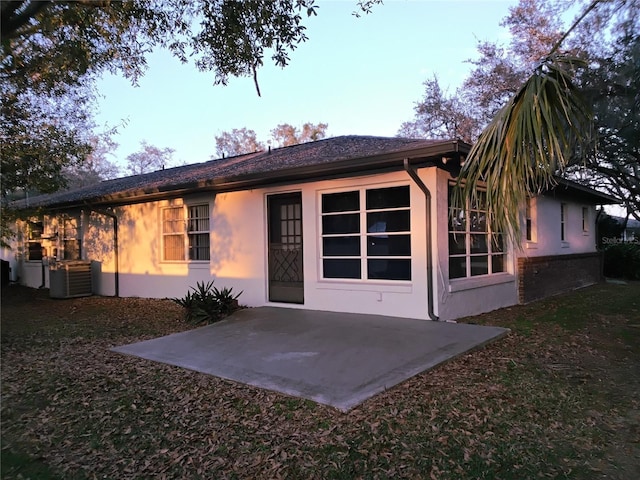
point(543, 129)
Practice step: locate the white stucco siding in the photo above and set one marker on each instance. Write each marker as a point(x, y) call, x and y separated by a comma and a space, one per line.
point(32, 274)
point(382, 297)
point(236, 249)
point(98, 246)
point(238, 238)
point(239, 246)
point(547, 228)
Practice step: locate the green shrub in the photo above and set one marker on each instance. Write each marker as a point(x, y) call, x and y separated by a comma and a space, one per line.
point(204, 303)
point(622, 260)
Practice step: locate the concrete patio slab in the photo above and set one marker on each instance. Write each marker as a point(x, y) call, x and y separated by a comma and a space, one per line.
point(335, 359)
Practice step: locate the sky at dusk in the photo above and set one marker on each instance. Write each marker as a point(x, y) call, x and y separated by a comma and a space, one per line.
point(360, 75)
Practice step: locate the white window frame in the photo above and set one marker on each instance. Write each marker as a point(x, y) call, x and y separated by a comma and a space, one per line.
point(35, 239)
point(531, 223)
point(563, 222)
point(188, 228)
point(467, 234)
point(70, 232)
point(364, 236)
point(585, 221)
point(198, 227)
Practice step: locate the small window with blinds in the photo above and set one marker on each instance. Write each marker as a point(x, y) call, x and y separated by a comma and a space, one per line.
point(185, 233)
point(173, 234)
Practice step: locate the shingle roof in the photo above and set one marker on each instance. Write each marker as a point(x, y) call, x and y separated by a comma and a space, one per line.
point(339, 154)
point(582, 192)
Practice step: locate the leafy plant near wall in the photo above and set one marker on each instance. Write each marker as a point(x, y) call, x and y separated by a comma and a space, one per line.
point(622, 260)
point(204, 303)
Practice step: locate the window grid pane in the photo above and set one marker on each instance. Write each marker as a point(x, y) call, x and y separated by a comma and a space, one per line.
point(199, 246)
point(172, 220)
point(186, 238)
point(198, 232)
point(381, 231)
point(473, 249)
point(173, 247)
point(70, 240)
point(34, 245)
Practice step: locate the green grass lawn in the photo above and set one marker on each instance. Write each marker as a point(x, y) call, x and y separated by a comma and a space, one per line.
point(556, 398)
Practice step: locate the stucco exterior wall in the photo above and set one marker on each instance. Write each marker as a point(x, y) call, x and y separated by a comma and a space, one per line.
point(238, 251)
point(393, 298)
point(239, 260)
point(546, 228)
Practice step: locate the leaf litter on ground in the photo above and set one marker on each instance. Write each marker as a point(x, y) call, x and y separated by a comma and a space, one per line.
point(556, 398)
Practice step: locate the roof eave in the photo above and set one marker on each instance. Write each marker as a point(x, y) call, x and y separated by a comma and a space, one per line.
point(348, 167)
point(593, 196)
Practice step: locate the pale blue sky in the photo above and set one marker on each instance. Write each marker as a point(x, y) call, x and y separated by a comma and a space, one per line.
point(359, 75)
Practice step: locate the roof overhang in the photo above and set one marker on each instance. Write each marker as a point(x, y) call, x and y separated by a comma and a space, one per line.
point(581, 192)
point(434, 154)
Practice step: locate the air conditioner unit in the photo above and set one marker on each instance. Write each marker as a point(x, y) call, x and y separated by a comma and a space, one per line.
point(69, 279)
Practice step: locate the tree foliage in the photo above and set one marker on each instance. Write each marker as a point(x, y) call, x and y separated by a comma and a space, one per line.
point(52, 51)
point(89, 36)
point(237, 142)
point(149, 159)
point(540, 101)
point(96, 167)
point(39, 137)
point(286, 135)
point(441, 115)
point(242, 140)
point(612, 87)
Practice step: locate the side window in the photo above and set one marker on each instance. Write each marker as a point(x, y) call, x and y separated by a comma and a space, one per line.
point(185, 233)
point(70, 239)
point(563, 222)
point(35, 229)
point(173, 234)
point(341, 239)
point(530, 221)
point(198, 222)
point(474, 249)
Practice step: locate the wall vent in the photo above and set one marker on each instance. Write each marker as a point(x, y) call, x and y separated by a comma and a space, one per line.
point(70, 279)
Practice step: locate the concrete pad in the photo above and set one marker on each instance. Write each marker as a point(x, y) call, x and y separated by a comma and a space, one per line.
point(335, 359)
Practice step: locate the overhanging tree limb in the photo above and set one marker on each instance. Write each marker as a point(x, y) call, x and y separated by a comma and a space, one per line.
point(542, 130)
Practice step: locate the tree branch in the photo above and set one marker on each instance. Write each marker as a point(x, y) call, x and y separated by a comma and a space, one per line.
point(575, 24)
point(11, 22)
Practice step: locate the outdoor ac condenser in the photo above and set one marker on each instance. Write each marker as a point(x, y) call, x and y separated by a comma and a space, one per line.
point(69, 279)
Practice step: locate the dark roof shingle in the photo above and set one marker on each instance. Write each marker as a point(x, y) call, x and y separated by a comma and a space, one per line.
point(216, 174)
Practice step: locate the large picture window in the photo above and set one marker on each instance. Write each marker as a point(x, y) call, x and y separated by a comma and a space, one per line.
point(366, 234)
point(185, 233)
point(474, 249)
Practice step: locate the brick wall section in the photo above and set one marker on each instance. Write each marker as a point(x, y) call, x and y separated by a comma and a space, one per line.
point(540, 277)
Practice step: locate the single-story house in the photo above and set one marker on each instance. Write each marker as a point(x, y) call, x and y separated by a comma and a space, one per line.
point(348, 224)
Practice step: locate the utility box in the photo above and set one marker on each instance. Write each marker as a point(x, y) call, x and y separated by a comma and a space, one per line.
point(70, 279)
point(6, 272)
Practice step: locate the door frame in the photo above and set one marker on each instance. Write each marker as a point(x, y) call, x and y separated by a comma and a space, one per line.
point(285, 265)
